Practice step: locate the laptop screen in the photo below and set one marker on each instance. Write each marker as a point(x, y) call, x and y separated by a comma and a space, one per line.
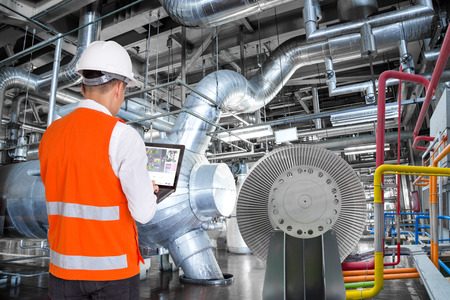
point(164, 163)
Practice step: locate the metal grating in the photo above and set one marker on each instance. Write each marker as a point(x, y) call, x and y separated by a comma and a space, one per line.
point(252, 207)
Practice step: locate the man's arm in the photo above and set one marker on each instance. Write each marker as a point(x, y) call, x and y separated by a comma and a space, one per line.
point(129, 161)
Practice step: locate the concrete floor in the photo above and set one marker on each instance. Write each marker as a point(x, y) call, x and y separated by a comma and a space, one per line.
point(247, 270)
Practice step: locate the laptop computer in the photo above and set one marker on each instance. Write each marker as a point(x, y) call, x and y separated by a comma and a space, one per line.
point(163, 166)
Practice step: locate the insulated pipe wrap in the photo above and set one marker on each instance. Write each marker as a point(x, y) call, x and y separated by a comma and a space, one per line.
point(194, 13)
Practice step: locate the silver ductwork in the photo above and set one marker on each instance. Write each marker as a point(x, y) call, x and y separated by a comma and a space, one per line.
point(193, 13)
point(233, 92)
point(204, 191)
point(351, 10)
point(67, 75)
point(177, 224)
point(422, 9)
point(16, 78)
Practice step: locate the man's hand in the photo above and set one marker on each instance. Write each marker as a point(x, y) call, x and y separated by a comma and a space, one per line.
point(155, 187)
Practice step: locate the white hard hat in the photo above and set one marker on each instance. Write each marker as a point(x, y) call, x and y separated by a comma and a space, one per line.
point(110, 58)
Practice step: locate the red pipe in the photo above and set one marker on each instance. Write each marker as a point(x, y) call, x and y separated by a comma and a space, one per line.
point(382, 105)
point(439, 68)
point(359, 265)
point(380, 138)
point(398, 163)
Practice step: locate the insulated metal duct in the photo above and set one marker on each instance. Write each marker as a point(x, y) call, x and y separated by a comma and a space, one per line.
point(351, 10)
point(67, 75)
point(17, 78)
point(233, 92)
point(208, 190)
point(193, 13)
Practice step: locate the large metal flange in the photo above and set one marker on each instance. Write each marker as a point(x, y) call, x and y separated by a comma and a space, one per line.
point(305, 202)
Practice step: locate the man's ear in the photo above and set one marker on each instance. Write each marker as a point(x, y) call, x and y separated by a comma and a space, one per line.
point(118, 89)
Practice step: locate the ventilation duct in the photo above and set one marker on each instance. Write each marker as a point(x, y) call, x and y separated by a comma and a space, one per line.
point(177, 224)
point(235, 93)
point(16, 78)
point(351, 10)
point(193, 13)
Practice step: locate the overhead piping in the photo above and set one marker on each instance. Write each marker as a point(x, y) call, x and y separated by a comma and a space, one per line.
point(67, 75)
point(17, 78)
point(207, 13)
point(422, 9)
point(235, 93)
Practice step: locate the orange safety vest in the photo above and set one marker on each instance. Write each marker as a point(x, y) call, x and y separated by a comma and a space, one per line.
point(92, 234)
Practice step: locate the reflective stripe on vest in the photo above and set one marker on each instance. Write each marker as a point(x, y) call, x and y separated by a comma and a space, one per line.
point(87, 212)
point(91, 263)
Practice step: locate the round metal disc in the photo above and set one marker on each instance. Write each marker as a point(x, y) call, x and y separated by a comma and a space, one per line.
point(304, 202)
point(299, 193)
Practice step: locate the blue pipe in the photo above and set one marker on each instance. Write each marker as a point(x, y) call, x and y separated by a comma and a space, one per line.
point(425, 226)
point(416, 227)
point(444, 266)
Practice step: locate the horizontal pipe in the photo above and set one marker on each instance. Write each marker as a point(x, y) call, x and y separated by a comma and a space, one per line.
point(207, 13)
point(53, 39)
point(444, 266)
point(385, 277)
point(425, 8)
point(385, 271)
point(355, 285)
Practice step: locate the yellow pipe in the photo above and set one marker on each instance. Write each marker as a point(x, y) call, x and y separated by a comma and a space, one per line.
point(396, 169)
point(371, 292)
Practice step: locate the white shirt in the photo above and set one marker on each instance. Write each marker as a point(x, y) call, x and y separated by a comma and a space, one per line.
point(128, 161)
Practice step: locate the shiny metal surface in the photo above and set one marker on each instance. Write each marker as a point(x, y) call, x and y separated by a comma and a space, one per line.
point(235, 93)
point(235, 242)
point(212, 190)
point(422, 9)
point(194, 13)
point(368, 43)
point(54, 84)
point(178, 219)
point(252, 209)
point(350, 10)
point(67, 76)
point(304, 202)
point(25, 199)
point(193, 253)
point(13, 77)
point(303, 268)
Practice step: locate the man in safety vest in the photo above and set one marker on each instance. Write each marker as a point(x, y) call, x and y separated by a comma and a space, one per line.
point(93, 167)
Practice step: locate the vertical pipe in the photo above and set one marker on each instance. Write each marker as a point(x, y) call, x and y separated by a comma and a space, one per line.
point(242, 50)
point(433, 199)
point(183, 63)
point(54, 86)
point(147, 55)
point(440, 66)
point(316, 107)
